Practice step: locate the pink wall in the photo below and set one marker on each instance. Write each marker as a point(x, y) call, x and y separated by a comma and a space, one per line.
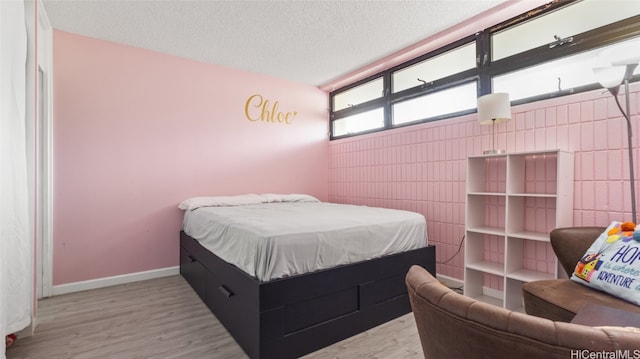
point(136, 132)
point(422, 168)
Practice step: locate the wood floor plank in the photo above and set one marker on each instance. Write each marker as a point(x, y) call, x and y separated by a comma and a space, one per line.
point(164, 318)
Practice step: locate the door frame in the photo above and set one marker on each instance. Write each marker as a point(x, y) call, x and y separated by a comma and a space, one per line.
point(44, 155)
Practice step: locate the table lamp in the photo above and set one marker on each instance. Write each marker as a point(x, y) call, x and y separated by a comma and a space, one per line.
point(494, 108)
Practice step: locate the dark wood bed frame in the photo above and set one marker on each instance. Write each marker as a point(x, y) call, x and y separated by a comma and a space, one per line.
point(290, 317)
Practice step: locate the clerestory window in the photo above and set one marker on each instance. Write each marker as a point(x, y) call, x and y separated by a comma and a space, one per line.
point(547, 52)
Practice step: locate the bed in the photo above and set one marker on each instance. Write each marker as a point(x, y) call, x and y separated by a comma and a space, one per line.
point(287, 274)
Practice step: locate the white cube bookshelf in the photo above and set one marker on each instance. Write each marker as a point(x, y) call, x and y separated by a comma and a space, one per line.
point(513, 201)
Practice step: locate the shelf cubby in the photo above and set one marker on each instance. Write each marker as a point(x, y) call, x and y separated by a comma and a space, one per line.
point(513, 201)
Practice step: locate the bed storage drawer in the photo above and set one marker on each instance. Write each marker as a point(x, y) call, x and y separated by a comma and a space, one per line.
point(230, 294)
point(194, 272)
point(288, 318)
point(376, 292)
point(231, 299)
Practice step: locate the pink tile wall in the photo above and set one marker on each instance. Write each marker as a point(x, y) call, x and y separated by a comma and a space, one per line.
point(493, 251)
point(422, 168)
point(496, 175)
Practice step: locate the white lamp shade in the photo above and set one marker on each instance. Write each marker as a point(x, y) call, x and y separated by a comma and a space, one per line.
point(494, 108)
point(610, 77)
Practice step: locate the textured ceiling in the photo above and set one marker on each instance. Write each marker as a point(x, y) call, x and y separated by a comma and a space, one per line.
point(312, 41)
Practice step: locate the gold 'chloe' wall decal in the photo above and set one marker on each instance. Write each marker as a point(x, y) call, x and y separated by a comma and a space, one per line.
point(258, 108)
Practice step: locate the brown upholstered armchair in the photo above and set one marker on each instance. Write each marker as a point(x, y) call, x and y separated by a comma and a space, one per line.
point(452, 325)
point(561, 299)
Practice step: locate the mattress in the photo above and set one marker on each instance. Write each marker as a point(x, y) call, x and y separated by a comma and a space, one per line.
point(281, 239)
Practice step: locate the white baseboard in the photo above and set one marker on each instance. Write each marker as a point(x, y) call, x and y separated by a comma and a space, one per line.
point(457, 283)
point(450, 281)
point(115, 280)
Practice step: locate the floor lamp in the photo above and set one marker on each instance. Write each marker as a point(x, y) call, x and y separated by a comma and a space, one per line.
point(612, 78)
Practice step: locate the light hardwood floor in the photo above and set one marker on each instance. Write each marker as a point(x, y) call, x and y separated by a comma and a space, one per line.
point(164, 318)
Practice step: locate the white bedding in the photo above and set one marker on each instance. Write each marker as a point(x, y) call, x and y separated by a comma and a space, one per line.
point(274, 240)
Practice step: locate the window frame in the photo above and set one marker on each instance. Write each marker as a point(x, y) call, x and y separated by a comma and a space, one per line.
point(589, 40)
point(486, 68)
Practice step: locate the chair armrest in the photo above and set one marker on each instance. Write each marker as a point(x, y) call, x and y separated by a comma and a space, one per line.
point(570, 244)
